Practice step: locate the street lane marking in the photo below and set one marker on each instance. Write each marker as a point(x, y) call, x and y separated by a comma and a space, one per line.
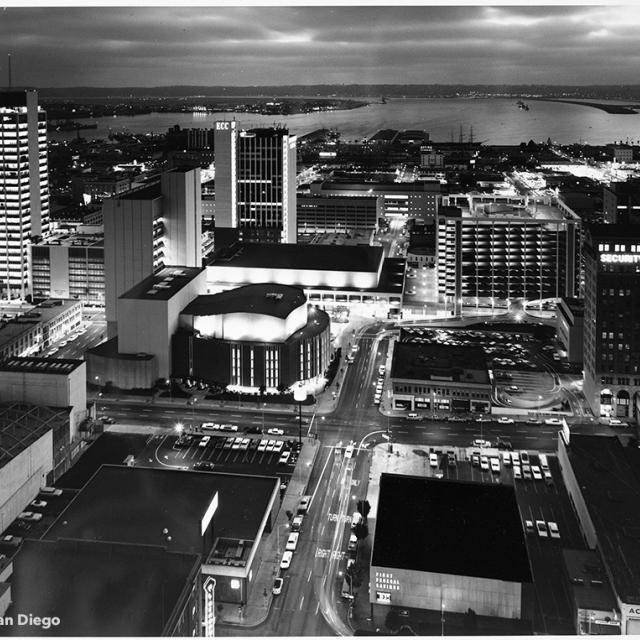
point(301, 601)
point(309, 576)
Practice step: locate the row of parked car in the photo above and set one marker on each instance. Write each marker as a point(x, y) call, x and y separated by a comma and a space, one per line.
point(292, 541)
point(544, 529)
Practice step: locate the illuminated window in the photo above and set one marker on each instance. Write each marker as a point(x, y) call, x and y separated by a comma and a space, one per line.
point(235, 584)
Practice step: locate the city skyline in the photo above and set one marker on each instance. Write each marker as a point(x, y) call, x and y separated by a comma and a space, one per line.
point(213, 45)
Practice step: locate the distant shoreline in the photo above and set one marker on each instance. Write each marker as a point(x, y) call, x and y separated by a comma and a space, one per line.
point(617, 109)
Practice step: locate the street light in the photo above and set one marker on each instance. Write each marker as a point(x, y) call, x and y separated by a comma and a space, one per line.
point(179, 428)
point(299, 396)
point(442, 619)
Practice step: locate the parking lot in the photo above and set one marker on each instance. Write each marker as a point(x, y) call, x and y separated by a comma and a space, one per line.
point(545, 500)
point(256, 455)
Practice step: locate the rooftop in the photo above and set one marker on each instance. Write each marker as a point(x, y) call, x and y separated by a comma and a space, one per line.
point(608, 475)
point(275, 300)
point(441, 526)
point(380, 186)
point(626, 232)
point(23, 424)
point(163, 284)
point(499, 212)
point(135, 505)
point(100, 589)
point(148, 192)
point(70, 239)
point(56, 366)
point(439, 362)
point(299, 257)
point(589, 581)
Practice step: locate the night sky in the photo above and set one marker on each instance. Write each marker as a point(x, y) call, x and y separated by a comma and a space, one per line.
point(215, 45)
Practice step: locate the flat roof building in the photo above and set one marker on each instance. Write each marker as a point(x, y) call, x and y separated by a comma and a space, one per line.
point(434, 545)
point(223, 520)
point(95, 588)
point(603, 480)
point(426, 375)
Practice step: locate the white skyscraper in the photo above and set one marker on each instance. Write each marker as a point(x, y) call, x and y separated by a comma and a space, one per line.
point(24, 186)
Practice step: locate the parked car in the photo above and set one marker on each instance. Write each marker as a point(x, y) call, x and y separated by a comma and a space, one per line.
point(541, 527)
point(535, 471)
point(481, 443)
point(277, 586)
point(292, 541)
point(303, 506)
point(284, 458)
point(553, 421)
point(30, 516)
point(296, 523)
point(51, 491)
point(287, 556)
point(504, 420)
point(38, 504)
point(495, 465)
point(433, 460)
point(204, 465)
point(12, 541)
point(413, 416)
point(517, 473)
point(348, 452)
point(528, 525)
point(554, 532)
point(524, 457)
point(484, 463)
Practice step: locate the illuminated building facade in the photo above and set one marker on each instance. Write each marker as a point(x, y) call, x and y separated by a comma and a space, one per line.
point(335, 214)
point(24, 186)
point(147, 228)
point(394, 199)
point(621, 202)
point(255, 185)
point(253, 336)
point(485, 257)
point(611, 320)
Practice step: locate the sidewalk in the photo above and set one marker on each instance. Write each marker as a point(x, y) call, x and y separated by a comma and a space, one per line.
point(260, 596)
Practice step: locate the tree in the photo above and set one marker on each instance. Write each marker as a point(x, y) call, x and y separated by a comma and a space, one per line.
point(361, 531)
point(363, 508)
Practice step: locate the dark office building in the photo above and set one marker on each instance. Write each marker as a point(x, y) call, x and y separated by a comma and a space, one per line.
point(611, 320)
point(621, 202)
point(335, 214)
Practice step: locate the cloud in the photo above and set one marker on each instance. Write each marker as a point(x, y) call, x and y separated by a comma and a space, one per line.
point(146, 46)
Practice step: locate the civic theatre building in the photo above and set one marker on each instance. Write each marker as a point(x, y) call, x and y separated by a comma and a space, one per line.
point(253, 336)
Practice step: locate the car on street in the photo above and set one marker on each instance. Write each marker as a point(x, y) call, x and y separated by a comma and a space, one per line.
point(353, 542)
point(481, 443)
point(535, 471)
point(348, 452)
point(484, 463)
point(505, 420)
point(38, 504)
point(433, 460)
point(534, 421)
point(303, 506)
point(292, 541)
point(273, 431)
point(413, 416)
point(285, 563)
point(541, 527)
point(277, 586)
point(517, 473)
point(108, 420)
point(528, 525)
point(204, 465)
point(495, 465)
point(296, 523)
point(615, 422)
point(552, 421)
point(554, 532)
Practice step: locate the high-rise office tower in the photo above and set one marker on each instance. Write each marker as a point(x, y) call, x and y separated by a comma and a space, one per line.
point(255, 184)
point(24, 186)
point(611, 320)
point(147, 228)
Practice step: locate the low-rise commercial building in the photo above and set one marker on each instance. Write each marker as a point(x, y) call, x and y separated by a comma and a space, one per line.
point(603, 481)
point(434, 547)
point(336, 214)
point(50, 382)
point(38, 328)
point(440, 378)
